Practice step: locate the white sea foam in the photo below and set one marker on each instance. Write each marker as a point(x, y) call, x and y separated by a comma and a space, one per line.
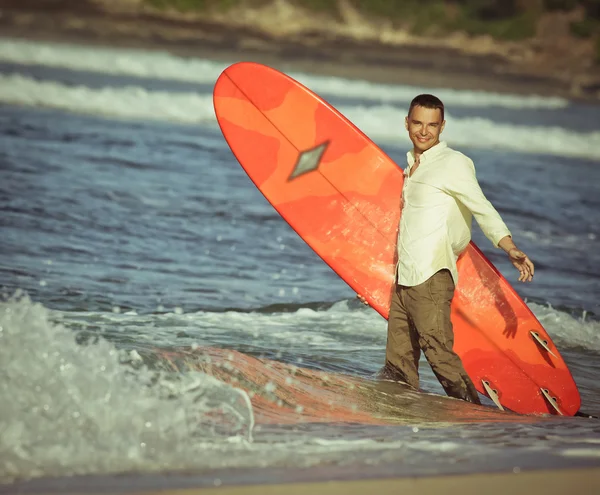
point(339, 328)
point(69, 408)
point(385, 123)
point(129, 62)
point(382, 123)
point(125, 102)
point(330, 329)
point(163, 65)
point(568, 331)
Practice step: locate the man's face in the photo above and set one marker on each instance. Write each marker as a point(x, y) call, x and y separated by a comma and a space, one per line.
point(424, 126)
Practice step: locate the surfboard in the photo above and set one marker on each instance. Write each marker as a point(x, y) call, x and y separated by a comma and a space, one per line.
point(341, 193)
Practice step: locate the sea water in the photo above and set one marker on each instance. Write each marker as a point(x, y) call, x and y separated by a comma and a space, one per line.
point(128, 230)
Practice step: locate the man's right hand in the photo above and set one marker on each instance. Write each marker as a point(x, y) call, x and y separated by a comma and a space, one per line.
point(362, 299)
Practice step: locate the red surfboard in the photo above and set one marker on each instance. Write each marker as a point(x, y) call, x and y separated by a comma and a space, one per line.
point(341, 194)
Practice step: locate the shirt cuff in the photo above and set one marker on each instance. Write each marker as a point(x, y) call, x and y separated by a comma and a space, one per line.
point(496, 237)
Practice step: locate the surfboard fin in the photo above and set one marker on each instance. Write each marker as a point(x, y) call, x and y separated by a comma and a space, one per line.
point(541, 342)
point(581, 414)
point(492, 394)
point(551, 400)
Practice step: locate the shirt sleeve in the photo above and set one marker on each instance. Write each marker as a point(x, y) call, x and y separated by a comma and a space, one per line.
point(462, 184)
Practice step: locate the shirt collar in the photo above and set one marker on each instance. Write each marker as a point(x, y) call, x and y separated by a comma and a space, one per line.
point(427, 155)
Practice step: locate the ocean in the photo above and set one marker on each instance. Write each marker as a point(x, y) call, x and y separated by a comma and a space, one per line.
point(158, 315)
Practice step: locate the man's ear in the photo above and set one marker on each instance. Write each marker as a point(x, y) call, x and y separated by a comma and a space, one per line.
point(406, 122)
point(442, 126)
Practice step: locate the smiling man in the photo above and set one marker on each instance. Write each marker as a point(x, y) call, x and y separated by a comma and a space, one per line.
point(439, 199)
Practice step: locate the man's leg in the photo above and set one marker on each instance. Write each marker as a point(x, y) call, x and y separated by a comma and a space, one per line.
point(402, 350)
point(428, 304)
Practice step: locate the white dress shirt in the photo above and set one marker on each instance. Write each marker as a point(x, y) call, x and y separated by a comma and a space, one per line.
point(439, 202)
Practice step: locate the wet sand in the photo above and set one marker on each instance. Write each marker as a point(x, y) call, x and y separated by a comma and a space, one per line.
point(558, 481)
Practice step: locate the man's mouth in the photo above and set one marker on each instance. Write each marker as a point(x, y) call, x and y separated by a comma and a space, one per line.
point(422, 139)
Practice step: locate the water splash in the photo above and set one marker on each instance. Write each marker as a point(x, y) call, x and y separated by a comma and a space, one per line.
point(78, 408)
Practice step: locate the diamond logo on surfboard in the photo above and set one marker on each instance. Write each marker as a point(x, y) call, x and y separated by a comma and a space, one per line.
point(308, 161)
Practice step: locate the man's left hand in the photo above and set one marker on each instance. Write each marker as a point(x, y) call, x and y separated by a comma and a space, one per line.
point(522, 263)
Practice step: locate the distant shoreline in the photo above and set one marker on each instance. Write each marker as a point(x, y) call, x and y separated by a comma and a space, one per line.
point(346, 58)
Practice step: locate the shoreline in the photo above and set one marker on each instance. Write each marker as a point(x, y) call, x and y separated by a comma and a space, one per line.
point(352, 59)
point(556, 481)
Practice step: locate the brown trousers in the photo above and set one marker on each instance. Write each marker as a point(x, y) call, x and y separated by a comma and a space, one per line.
point(420, 320)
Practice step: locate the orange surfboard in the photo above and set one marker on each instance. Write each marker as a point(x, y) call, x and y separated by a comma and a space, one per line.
point(341, 194)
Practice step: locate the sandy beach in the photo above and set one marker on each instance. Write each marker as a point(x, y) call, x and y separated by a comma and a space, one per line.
point(554, 482)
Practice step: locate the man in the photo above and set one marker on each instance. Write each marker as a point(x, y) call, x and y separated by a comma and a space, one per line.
point(439, 198)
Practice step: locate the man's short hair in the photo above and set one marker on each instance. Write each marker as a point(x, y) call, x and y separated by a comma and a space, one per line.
point(427, 101)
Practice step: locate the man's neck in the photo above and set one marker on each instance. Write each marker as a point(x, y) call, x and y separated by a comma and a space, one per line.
point(415, 165)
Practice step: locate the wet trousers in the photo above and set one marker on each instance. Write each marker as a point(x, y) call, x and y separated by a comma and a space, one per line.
point(420, 320)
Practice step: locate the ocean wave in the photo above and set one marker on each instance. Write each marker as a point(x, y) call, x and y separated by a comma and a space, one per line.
point(382, 123)
point(127, 102)
point(344, 326)
point(385, 123)
point(163, 65)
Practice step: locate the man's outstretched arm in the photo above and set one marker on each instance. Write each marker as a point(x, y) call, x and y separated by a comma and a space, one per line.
point(462, 184)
